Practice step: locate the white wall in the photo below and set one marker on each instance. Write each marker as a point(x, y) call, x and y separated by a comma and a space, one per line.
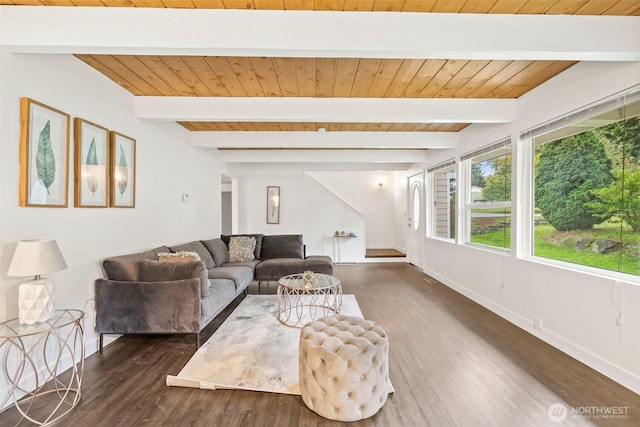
point(306, 208)
point(361, 190)
point(166, 167)
point(401, 209)
point(578, 310)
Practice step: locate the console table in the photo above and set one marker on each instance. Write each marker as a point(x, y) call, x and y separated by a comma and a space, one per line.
point(338, 243)
point(33, 355)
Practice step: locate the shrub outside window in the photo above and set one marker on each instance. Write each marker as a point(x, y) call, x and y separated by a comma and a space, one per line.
point(587, 188)
point(443, 218)
point(488, 202)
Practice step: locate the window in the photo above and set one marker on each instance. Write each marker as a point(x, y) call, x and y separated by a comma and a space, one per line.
point(586, 187)
point(443, 217)
point(488, 201)
point(416, 207)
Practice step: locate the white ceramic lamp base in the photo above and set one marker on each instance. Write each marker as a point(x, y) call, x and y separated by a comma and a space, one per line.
point(35, 301)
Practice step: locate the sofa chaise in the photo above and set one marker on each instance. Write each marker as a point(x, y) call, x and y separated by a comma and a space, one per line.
point(142, 293)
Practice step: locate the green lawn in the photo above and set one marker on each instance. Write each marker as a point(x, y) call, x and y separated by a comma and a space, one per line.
point(498, 238)
point(550, 243)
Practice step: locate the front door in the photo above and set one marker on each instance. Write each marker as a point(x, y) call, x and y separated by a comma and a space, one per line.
point(415, 238)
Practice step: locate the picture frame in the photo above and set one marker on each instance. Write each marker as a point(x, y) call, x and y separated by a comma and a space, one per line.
point(91, 171)
point(273, 205)
point(44, 155)
point(122, 169)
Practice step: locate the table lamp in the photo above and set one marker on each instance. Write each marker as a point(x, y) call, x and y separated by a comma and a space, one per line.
point(35, 296)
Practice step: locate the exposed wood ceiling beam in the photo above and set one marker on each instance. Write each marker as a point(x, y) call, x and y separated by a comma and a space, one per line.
point(386, 110)
point(319, 34)
point(342, 159)
point(325, 140)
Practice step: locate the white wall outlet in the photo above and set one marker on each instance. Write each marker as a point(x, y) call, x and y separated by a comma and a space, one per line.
point(537, 324)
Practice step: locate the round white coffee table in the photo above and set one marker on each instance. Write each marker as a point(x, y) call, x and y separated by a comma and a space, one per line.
point(303, 299)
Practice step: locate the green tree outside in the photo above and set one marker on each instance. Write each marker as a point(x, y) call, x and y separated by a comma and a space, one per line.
point(567, 172)
point(498, 185)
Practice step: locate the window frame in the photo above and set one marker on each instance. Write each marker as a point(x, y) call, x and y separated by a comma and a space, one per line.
point(432, 201)
point(560, 127)
point(467, 204)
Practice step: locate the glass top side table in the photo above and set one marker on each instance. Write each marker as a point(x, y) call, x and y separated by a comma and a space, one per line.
point(32, 358)
point(302, 299)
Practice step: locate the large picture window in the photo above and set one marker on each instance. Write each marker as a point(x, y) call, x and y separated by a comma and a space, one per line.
point(443, 192)
point(488, 201)
point(586, 187)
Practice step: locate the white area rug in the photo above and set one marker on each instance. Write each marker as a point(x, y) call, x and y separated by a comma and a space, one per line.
point(251, 350)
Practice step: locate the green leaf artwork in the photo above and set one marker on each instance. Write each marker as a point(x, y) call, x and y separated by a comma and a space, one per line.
point(124, 174)
point(91, 162)
point(45, 160)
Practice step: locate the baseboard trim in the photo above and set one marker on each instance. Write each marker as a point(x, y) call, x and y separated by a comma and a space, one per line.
point(610, 370)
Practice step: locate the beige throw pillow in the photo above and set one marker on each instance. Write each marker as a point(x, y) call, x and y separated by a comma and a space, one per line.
point(241, 248)
point(178, 256)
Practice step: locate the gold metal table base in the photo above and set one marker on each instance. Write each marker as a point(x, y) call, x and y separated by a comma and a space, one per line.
point(34, 355)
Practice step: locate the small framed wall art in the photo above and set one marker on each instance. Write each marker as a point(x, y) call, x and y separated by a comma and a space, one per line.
point(273, 205)
point(44, 155)
point(91, 172)
point(123, 171)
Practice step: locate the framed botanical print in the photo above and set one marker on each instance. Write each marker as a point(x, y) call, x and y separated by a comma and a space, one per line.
point(91, 172)
point(123, 171)
point(44, 155)
point(273, 205)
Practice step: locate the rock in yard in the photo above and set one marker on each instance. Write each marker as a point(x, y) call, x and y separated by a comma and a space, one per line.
point(603, 246)
point(582, 243)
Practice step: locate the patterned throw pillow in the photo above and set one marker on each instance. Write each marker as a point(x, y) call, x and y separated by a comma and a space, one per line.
point(241, 248)
point(178, 256)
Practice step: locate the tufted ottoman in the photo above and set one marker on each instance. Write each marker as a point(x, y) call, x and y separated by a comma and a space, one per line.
point(344, 367)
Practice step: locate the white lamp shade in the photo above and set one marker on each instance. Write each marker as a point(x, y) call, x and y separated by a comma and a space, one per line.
point(36, 257)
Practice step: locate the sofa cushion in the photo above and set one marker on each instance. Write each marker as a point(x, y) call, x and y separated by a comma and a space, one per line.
point(122, 268)
point(221, 292)
point(218, 249)
point(247, 264)
point(274, 269)
point(282, 246)
point(241, 276)
point(159, 271)
point(241, 248)
point(319, 264)
point(257, 252)
point(197, 247)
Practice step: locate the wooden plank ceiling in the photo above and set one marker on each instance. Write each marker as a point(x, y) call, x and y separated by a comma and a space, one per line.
point(566, 7)
point(144, 75)
point(323, 78)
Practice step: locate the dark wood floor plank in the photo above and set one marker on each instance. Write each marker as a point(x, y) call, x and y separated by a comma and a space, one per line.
point(452, 363)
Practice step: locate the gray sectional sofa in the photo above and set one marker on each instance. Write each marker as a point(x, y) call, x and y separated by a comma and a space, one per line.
point(142, 295)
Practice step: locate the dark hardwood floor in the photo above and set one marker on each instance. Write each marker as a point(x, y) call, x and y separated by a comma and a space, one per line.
point(452, 363)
